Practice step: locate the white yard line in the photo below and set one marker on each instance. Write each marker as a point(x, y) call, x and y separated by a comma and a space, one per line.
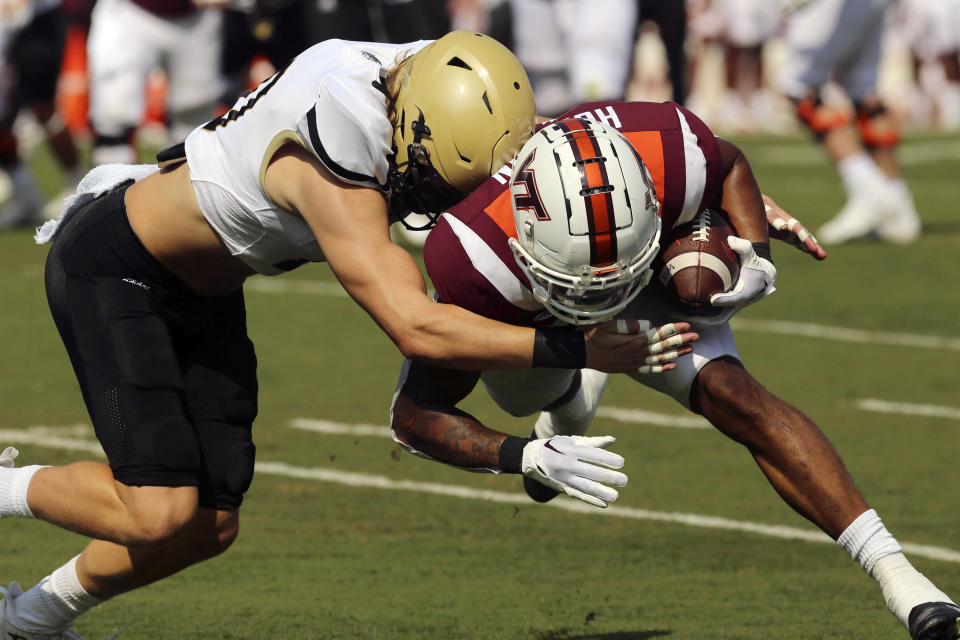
point(339, 428)
point(636, 416)
point(40, 437)
point(907, 408)
point(845, 334)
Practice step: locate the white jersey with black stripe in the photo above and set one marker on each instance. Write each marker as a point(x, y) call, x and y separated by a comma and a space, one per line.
point(331, 101)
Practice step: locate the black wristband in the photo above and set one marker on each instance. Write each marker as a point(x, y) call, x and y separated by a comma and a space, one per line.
point(511, 454)
point(559, 349)
point(762, 249)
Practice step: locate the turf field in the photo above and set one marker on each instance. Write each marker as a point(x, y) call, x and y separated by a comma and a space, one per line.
point(345, 536)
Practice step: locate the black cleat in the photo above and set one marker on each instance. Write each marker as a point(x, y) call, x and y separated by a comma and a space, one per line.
point(934, 621)
point(538, 492)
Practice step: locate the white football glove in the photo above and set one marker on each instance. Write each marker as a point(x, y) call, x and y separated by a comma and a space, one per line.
point(757, 277)
point(576, 465)
point(7, 457)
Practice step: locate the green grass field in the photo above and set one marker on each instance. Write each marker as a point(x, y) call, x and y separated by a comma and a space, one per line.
point(396, 553)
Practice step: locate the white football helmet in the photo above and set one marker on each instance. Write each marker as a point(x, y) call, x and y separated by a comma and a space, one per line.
point(587, 218)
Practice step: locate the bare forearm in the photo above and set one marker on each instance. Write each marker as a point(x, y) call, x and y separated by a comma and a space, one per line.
point(741, 197)
point(449, 336)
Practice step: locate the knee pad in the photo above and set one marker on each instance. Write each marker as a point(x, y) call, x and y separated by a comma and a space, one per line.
point(877, 128)
point(109, 149)
point(820, 118)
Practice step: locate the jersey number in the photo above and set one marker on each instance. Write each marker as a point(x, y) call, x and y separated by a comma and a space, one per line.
point(234, 114)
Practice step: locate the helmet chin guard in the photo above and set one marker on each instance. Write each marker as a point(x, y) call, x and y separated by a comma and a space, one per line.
point(587, 220)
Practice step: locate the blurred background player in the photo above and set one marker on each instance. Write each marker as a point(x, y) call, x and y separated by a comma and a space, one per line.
point(740, 28)
point(276, 29)
point(931, 29)
point(130, 38)
point(379, 20)
point(840, 41)
point(670, 18)
point(574, 51)
point(32, 36)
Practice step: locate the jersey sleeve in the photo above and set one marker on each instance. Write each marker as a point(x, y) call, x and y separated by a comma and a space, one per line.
point(467, 272)
point(349, 132)
point(706, 142)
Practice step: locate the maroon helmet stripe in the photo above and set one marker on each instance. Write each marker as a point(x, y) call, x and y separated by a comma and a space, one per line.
point(674, 173)
point(601, 221)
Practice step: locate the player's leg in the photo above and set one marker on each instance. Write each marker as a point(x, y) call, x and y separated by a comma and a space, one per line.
point(540, 46)
point(129, 372)
point(822, 37)
point(121, 50)
point(566, 399)
point(40, 49)
point(789, 448)
point(809, 475)
point(599, 41)
point(193, 46)
point(25, 204)
point(105, 570)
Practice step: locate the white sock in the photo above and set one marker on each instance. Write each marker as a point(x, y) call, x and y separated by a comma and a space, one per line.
point(574, 417)
point(13, 491)
point(54, 603)
point(859, 174)
point(903, 586)
point(878, 552)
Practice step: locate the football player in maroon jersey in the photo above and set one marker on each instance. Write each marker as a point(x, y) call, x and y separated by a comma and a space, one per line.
point(565, 237)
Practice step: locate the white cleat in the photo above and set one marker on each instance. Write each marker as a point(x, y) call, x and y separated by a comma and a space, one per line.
point(9, 632)
point(859, 218)
point(6, 461)
point(902, 225)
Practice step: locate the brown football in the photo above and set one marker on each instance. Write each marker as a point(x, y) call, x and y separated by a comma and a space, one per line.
point(695, 262)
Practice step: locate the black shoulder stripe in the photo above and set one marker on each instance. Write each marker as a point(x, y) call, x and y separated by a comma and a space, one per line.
point(339, 171)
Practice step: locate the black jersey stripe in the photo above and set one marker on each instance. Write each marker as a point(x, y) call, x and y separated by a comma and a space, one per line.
point(329, 163)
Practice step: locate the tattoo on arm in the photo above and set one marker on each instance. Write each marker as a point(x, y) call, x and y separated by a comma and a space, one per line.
point(447, 434)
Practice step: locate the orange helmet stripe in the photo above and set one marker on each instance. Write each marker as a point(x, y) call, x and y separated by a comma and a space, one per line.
point(599, 205)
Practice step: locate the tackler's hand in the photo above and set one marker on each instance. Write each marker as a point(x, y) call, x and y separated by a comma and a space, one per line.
point(788, 229)
point(633, 346)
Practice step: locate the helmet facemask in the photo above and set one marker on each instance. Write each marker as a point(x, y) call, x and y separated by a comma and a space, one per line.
point(419, 187)
point(593, 295)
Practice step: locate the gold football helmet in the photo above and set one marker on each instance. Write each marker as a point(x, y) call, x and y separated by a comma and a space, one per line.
point(463, 107)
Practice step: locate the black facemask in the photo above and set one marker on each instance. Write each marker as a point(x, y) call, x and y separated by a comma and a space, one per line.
point(419, 188)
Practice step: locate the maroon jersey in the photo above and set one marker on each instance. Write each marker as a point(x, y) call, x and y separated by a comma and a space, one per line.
point(467, 255)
